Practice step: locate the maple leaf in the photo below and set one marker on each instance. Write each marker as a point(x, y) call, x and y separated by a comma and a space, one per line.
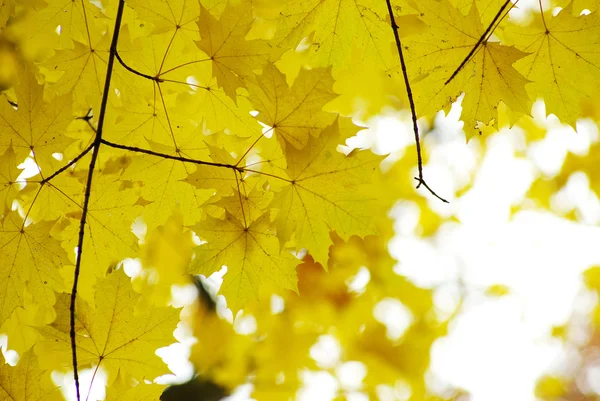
point(558, 49)
point(233, 58)
point(333, 23)
point(164, 189)
point(67, 21)
point(487, 79)
point(80, 71)
point(251, 252)
point(220, 178)
point(172, 16)
point(111, 211)
point(294, 113)
point(323, 193)
point(32, 260)
point(35, 126)
point(27, 381)
point(9, 172)
point(121, 391)
point(113, 335)
point(251, 204)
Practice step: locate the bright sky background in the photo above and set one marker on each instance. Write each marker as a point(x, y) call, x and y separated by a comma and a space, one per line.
point(498, 347)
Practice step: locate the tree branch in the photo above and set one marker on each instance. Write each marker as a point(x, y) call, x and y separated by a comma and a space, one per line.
point(136, 72)
point(484, 37)
point(411, 102)
point(86, 200)
point(69, 164)
point(171, 157)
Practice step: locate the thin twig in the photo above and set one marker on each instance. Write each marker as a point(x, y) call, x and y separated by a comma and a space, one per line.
point(411, 102)
point(171, 157)
point(86, 200)
point(134, 71)
point(484, 37)
point(69, 164)
point(237, 168)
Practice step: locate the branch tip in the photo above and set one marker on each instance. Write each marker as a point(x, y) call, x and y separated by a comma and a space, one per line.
point(421, 181)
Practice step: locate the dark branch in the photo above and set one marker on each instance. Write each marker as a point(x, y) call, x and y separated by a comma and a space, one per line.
point(411, 100)
point(86, 200)
point(136, 72)
point(484, 37)
point(69, 164)
point(430, 190)
point(171, 157)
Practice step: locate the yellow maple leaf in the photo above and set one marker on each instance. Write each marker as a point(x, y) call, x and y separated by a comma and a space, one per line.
point(26, 381)
point(324, 191)
point(113, 335)
point(233, 58)
point(64, 21)
point(162, 189)
point(34, 125)
point(31, 261)
point(341, 28)
point(564, 62)
point(251, 252)
point(487, 79)
point(80, 71)
point(220, 178)
point(9, 187)
point(251, 204)
point(124, 390)
point(294, 113)
point(175, 17)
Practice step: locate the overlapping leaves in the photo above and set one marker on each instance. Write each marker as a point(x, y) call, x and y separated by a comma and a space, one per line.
point(221, 113)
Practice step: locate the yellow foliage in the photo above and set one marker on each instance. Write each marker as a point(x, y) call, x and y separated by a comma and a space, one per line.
point(185, 136)
point(112, 335)
point(27, 381)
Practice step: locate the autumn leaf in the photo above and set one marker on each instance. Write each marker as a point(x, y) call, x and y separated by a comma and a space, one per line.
point(558, 46)
point(251, 252)
point(487, 79)
point(35, 126)
point(333, 23)
point(223, 180)
point(8, 179)
point(323, 192)
point(233, 58)
point(121, 390)
point(32, 260)
point(111, 335)
point(27, 381)
point(294, 113)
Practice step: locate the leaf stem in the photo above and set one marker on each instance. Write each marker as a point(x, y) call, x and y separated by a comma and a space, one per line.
point(411, 102)
point(86, 200)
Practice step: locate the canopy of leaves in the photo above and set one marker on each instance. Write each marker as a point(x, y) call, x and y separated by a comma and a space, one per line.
point(182, 136)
